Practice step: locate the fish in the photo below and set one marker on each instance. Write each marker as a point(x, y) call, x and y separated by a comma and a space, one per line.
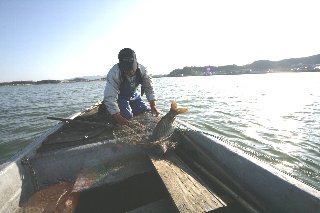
point(165, 127)
point(152, 134)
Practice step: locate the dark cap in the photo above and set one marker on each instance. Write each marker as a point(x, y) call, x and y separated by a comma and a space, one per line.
point(127, 59)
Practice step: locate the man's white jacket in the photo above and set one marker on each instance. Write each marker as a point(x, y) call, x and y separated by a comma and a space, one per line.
point(112, 88)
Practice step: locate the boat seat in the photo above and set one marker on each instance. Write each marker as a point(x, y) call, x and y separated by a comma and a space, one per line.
point(90, 165)
point(96, 173)
point(186, 189)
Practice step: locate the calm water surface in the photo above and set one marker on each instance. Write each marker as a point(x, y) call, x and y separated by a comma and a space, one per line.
point(274, 117)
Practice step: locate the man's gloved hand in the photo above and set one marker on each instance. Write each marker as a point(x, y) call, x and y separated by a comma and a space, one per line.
point(120, 120)
point(154, 110)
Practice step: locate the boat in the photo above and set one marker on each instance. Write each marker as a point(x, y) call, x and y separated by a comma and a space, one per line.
point(81, 165)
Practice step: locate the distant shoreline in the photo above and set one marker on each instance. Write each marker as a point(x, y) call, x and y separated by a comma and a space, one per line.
point(76, 80)
point(17, 83)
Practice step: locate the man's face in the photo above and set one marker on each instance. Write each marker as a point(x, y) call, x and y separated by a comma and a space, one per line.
point(132, 71)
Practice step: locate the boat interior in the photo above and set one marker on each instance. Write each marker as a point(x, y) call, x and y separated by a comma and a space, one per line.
point(86, 167)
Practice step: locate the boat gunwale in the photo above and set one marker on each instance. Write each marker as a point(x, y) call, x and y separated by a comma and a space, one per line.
point(34, 145)
point(231, 159)
point(281, 174)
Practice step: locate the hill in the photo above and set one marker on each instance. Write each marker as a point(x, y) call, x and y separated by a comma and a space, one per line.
point(304, 64)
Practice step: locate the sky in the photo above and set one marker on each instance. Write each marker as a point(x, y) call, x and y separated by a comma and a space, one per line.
point(63, 39)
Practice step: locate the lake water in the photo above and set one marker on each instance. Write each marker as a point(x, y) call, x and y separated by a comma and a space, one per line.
point(274, 117)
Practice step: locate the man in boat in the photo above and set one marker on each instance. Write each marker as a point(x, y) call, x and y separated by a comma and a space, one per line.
point(120, 96)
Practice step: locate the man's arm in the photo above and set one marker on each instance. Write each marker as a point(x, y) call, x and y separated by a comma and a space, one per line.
point(112, 90)
point(147, 84)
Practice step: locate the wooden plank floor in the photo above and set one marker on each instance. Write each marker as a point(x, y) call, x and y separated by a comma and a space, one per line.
point(187, 191)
